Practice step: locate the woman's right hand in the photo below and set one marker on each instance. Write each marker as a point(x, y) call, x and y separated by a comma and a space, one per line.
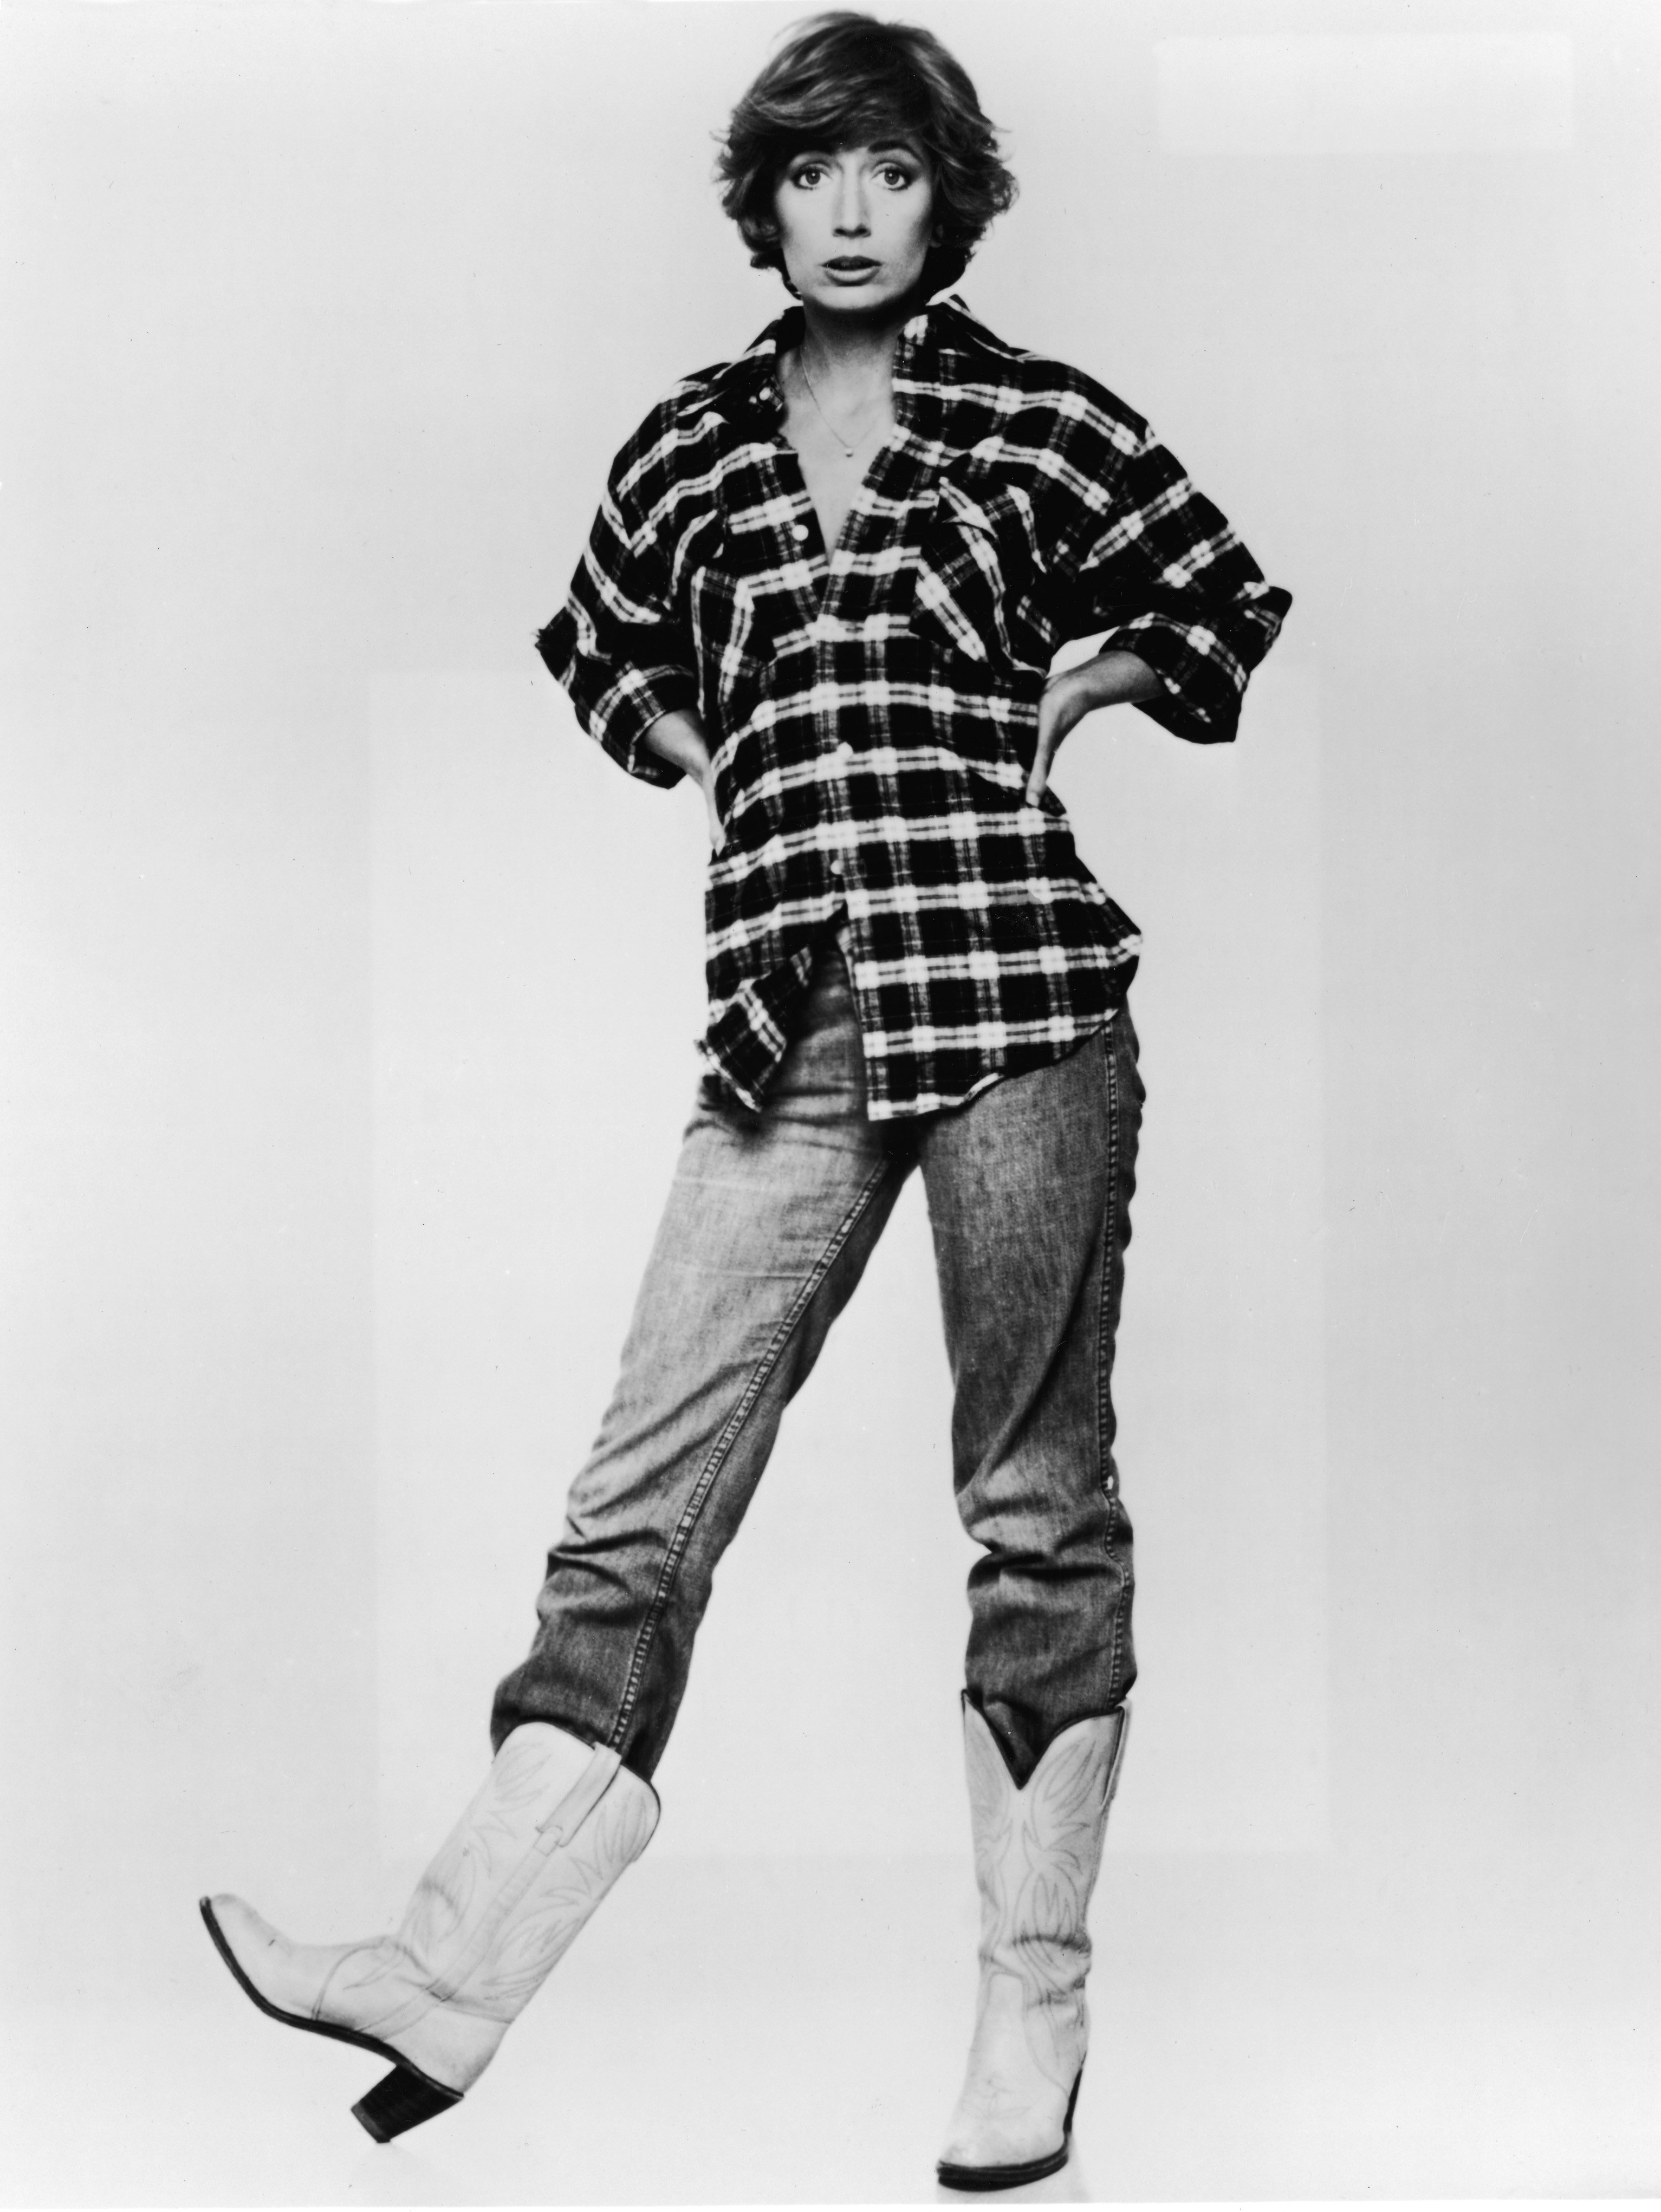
point(678, 739)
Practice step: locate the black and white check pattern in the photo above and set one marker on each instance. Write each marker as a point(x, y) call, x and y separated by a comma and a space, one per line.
point(873, 712)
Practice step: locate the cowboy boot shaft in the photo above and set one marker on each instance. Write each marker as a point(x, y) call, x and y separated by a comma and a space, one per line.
point(551, 1830)
point(1038, 1853)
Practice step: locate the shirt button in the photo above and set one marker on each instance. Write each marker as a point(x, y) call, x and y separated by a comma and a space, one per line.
point(844, 750)
point(798, 532)
point(836, 868)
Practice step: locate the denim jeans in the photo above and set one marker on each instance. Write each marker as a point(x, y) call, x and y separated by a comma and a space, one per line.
point(770, 1222)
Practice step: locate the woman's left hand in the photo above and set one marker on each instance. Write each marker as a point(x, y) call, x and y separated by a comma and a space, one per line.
point(1073, 693)
point(1065, 701)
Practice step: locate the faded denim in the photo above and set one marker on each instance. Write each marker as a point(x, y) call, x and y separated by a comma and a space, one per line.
point(770, 1222)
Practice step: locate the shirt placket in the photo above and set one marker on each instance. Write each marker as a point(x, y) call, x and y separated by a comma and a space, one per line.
point(835, 754)
point(836, 834)
point(783, 550)
point(870, 529)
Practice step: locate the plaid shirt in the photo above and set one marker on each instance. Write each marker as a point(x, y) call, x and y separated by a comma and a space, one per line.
point(872, 715)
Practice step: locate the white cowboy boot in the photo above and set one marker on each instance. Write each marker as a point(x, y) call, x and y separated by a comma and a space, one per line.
point(554, 1826)
point(1037, 1853)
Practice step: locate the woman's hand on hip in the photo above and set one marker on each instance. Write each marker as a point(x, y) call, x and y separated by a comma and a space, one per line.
point(678, 739)
point(1073, 693)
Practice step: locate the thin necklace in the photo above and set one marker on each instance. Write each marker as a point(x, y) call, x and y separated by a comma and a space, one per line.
point(841, 436)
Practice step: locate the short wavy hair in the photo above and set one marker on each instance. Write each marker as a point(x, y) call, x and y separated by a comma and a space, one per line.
point(846, 79)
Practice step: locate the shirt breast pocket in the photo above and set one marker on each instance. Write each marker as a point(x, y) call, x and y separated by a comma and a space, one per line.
point(976, 563)
point(733, 664)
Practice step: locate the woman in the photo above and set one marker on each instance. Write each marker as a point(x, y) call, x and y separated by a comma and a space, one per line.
point(826, 582)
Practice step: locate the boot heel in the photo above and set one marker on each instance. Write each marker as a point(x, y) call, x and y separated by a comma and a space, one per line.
point(402, 2100)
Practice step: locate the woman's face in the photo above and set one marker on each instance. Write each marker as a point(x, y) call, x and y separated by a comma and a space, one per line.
point(854, 225)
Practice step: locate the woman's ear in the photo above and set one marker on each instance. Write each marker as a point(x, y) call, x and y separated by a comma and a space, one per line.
point(766, 235)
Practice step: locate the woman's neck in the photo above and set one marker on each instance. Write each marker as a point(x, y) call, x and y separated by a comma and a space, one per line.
point(844, 351)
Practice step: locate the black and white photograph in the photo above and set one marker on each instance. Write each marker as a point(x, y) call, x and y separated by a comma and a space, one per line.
point(829, 995)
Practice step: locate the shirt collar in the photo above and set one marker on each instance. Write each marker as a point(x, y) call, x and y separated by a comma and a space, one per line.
point(749, 384)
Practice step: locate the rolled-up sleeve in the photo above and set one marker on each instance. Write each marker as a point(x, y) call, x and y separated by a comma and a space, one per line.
point(615, 645)
point(1163, 574)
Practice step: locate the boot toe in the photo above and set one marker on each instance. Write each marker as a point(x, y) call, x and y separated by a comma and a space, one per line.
point(283, 1978)
point(992, 2147)
point(1007, 2174)
point(250, 1947)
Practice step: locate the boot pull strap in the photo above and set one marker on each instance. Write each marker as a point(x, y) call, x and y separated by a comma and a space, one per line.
point(1118, 1753)
point(579, 1800)
point(561, 1825)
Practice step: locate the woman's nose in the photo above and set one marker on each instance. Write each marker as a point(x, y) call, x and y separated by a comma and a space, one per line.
point(850, 210)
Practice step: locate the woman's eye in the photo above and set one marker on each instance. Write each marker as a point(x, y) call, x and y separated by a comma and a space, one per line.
point(808, 174)
point(896, 179)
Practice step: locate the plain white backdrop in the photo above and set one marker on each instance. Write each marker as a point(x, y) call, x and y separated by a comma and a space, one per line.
point(350, 996)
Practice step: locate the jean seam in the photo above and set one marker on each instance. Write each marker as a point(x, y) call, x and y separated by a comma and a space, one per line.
point(1103, 1334)
point(722, 1449)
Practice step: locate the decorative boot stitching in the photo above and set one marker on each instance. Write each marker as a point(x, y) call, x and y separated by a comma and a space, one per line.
point(559, 1826)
